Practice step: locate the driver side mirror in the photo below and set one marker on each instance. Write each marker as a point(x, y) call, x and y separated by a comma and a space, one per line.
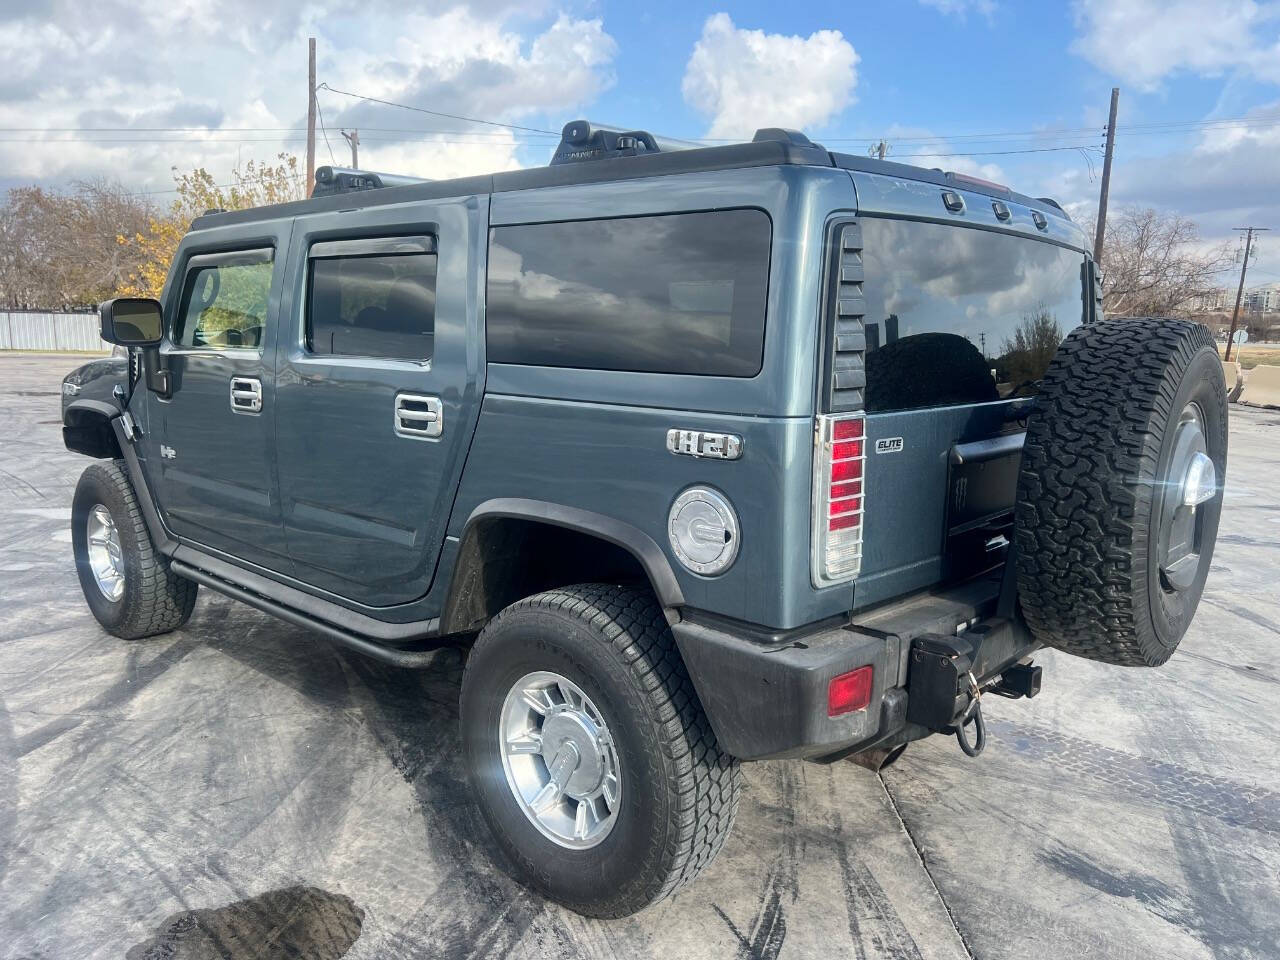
point(131, 321)
point(138, 322)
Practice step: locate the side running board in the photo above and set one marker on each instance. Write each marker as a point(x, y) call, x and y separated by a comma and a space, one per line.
point(412, 659)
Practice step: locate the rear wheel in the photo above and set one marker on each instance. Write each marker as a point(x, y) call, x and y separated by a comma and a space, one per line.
point(589, 753)
point(128, 586)
point(1120, 489)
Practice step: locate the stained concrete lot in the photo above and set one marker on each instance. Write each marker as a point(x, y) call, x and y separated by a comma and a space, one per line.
point(242, 787)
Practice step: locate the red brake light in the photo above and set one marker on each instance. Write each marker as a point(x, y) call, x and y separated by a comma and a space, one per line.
point(849, 692)
point(839, 455)
point(846, 450)
point(846, 470)
point(847, 429)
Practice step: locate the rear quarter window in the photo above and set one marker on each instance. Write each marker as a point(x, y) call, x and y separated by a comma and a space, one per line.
point(677, 293)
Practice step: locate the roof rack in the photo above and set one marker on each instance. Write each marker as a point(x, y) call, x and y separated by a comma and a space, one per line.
point(335, 180)
point(580, 141)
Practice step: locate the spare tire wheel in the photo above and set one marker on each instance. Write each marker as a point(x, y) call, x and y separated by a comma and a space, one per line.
point(1120, 489)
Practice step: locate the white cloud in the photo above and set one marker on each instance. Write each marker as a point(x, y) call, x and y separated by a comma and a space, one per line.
point(961, 8)
point(235, 63)
point(1228, 178)
point(1144, 41)
point(747, 79)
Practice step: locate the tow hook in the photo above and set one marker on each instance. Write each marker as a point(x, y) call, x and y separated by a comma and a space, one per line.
point(1019, 680)
point(972, 714)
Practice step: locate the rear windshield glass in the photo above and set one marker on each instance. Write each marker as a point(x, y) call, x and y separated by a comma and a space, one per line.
point(957, 315)
point(679, 293)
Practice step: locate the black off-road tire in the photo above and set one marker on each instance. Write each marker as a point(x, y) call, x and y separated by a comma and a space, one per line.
point(155, 599)
point(679, 789)
point(1088, 510)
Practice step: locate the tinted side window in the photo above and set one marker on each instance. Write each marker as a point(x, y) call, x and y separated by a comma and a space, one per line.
point(224, 301)
point(679, 293)
point(371, 304)
point(956, 315)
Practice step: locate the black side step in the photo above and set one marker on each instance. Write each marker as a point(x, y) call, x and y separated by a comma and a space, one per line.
point(411, 659)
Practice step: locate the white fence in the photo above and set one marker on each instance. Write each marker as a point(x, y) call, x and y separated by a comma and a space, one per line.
point(51, 331)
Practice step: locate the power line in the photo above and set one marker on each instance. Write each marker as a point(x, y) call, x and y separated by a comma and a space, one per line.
point(320, 114)
point(295, 177)
point(1042, 132)
point(1002, 153)
point(436, 113)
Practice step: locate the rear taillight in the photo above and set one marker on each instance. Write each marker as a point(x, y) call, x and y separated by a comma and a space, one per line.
point(838, 482)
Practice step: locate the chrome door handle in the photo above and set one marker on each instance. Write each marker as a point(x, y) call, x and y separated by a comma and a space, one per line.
point(418, 417)
point(246, 395)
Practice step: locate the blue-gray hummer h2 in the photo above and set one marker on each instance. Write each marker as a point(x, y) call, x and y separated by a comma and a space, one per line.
point(702, 456)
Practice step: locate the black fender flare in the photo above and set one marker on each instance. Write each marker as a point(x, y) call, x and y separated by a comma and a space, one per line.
point(635, 541)
point(108, 411)
point(87, 428)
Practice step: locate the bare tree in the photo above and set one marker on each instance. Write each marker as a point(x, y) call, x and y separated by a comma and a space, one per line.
point(62, 248)
point(1154, 263)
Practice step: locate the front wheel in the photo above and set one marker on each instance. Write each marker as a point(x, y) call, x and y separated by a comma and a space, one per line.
point(589, 753)
point(127, 584)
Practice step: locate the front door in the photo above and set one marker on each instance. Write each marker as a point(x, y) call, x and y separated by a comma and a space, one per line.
point(209, 456)
point(378, 392)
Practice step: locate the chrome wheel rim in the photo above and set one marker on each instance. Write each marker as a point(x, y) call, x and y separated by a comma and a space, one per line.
point(106, 559)
point(559, 760)
point(1189, 483)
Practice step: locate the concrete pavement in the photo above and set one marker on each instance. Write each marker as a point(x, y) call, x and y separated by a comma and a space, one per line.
point(241, 784)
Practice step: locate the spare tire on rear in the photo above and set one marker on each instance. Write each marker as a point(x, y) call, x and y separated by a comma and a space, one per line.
point(1118, 507)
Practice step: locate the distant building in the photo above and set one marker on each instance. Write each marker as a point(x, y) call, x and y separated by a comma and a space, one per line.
point(1212, 301)
point(1262, 299)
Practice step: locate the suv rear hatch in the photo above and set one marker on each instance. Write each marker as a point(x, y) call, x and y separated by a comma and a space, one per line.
point(959, 321)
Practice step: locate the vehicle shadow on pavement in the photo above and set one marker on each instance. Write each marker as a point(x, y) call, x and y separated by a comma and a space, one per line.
point(413, 717)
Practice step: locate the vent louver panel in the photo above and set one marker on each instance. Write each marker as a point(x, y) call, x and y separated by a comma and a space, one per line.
point(846, 371)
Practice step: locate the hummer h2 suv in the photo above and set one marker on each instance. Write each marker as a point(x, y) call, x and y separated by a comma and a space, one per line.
point(703, 456)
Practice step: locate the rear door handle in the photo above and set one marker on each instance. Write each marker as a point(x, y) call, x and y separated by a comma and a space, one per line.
point(418, 417)
point(246, 395)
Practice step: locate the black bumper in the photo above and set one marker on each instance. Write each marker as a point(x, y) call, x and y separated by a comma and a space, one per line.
point(766, 697)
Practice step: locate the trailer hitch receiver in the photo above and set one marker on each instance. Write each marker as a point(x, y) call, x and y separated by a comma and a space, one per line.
point(942, 692)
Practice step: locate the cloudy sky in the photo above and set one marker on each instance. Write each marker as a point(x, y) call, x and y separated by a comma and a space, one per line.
point(1016, 91)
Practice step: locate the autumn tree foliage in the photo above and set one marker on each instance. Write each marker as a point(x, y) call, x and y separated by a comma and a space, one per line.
point(255, 185)
point(96, 239)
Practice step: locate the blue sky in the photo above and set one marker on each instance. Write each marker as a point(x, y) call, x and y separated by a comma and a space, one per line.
point(144, 85)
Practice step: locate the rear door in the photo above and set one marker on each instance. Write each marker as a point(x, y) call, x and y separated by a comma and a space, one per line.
point(209, 453)
point(960, 323)
point(378, 392)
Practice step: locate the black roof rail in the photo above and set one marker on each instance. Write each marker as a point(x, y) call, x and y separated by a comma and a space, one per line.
point(784, 135)
point(1051, 202)
point(335, 180)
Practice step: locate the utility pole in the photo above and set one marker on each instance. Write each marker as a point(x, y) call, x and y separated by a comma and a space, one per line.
point(1244, 265)
point(1106, 179)
point(311, 115)
point(879, 150)
point(353, 138)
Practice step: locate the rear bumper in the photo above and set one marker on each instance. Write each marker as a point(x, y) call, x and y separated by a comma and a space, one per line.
point(766, 696)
